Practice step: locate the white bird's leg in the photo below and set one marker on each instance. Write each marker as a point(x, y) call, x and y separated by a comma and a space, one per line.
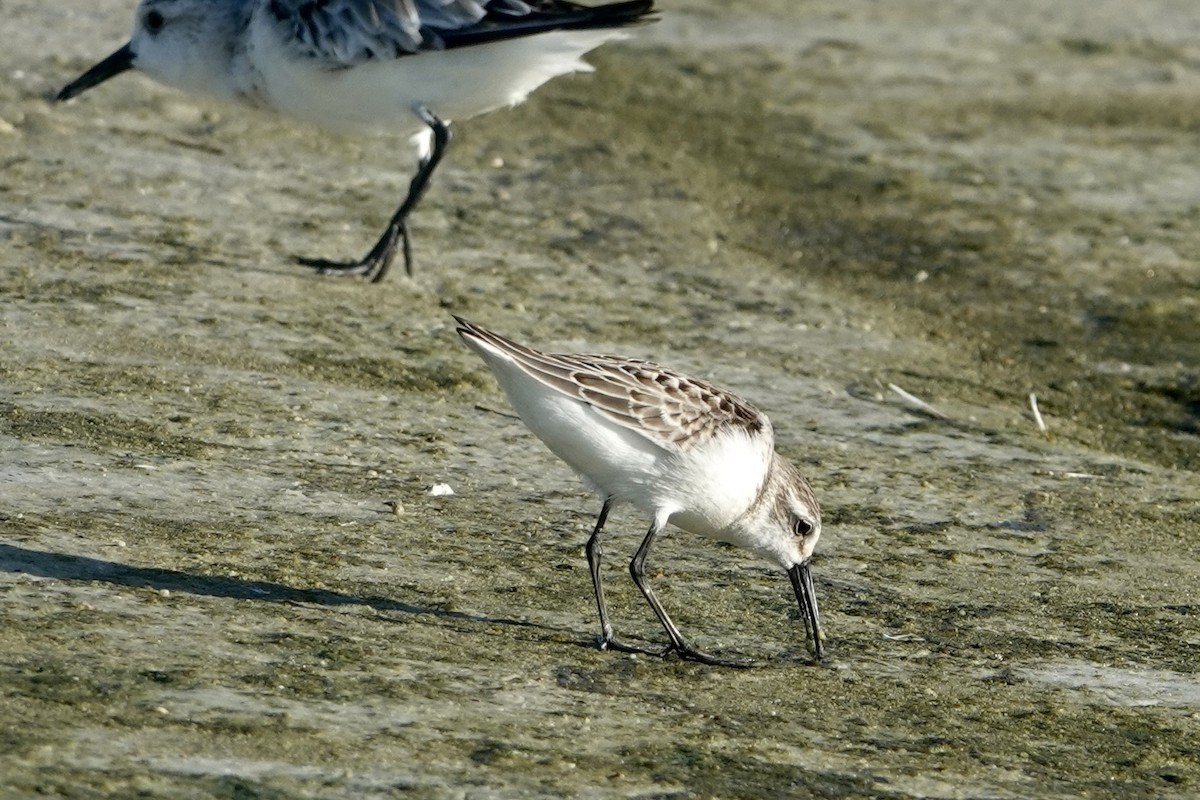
point(374, 265)
point(637, 569)
point(606, 640)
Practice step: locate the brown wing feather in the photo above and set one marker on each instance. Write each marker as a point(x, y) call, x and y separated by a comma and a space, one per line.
point(672, 406)
point(665, 406)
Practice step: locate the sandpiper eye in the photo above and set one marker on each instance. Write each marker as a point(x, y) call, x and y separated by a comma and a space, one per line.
point(801, 527)
point(154, 21)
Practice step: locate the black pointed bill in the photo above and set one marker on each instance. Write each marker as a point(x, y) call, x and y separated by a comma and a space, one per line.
point(110, 67)
point(806, 596)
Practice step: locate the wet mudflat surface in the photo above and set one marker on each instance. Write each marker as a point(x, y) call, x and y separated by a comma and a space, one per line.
point(205, 595)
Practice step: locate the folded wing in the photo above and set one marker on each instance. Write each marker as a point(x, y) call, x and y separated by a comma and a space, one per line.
point(670, 409)
point(343, 33)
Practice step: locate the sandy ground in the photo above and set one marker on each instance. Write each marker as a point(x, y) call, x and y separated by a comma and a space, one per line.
point(204, 594)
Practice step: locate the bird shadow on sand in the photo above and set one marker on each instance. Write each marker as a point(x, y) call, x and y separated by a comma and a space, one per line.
point(66, 567)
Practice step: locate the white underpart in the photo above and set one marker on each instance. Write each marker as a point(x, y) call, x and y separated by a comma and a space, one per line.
point(377, 96)
point(702, 489)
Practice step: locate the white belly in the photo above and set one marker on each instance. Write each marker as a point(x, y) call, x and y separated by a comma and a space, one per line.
point(704, 489)
point(379, 96)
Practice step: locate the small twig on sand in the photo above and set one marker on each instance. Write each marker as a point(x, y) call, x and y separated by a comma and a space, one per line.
point(918, 403)
point(1037, 415)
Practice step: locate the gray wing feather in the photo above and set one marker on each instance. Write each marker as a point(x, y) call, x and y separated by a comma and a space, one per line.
point(343, 33)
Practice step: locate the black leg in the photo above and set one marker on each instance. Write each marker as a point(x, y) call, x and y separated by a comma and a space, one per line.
point(606, 640)
point(374, 265)
point(637, 569)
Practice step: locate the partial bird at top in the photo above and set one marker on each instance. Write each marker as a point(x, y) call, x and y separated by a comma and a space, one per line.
point(407, 66)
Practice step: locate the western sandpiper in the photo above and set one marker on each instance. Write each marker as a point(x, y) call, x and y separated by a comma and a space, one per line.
point(683, 451)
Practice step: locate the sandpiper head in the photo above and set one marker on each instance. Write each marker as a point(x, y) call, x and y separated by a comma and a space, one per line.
point(172, 42)
point(784, 527)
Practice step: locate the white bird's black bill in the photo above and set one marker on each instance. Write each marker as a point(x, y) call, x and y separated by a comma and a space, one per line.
point(110, 67)
point(806, 596)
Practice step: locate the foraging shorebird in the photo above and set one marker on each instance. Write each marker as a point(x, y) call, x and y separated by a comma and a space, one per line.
point(683, 451)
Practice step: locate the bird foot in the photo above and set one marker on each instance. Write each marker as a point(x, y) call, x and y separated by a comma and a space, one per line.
point(699, 656)
point(613, 643)
point(368, 267)
point(684, 652)
point(373, 265)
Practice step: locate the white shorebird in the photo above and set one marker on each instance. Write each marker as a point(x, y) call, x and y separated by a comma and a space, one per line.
point(366, 66)
point(685, 452)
